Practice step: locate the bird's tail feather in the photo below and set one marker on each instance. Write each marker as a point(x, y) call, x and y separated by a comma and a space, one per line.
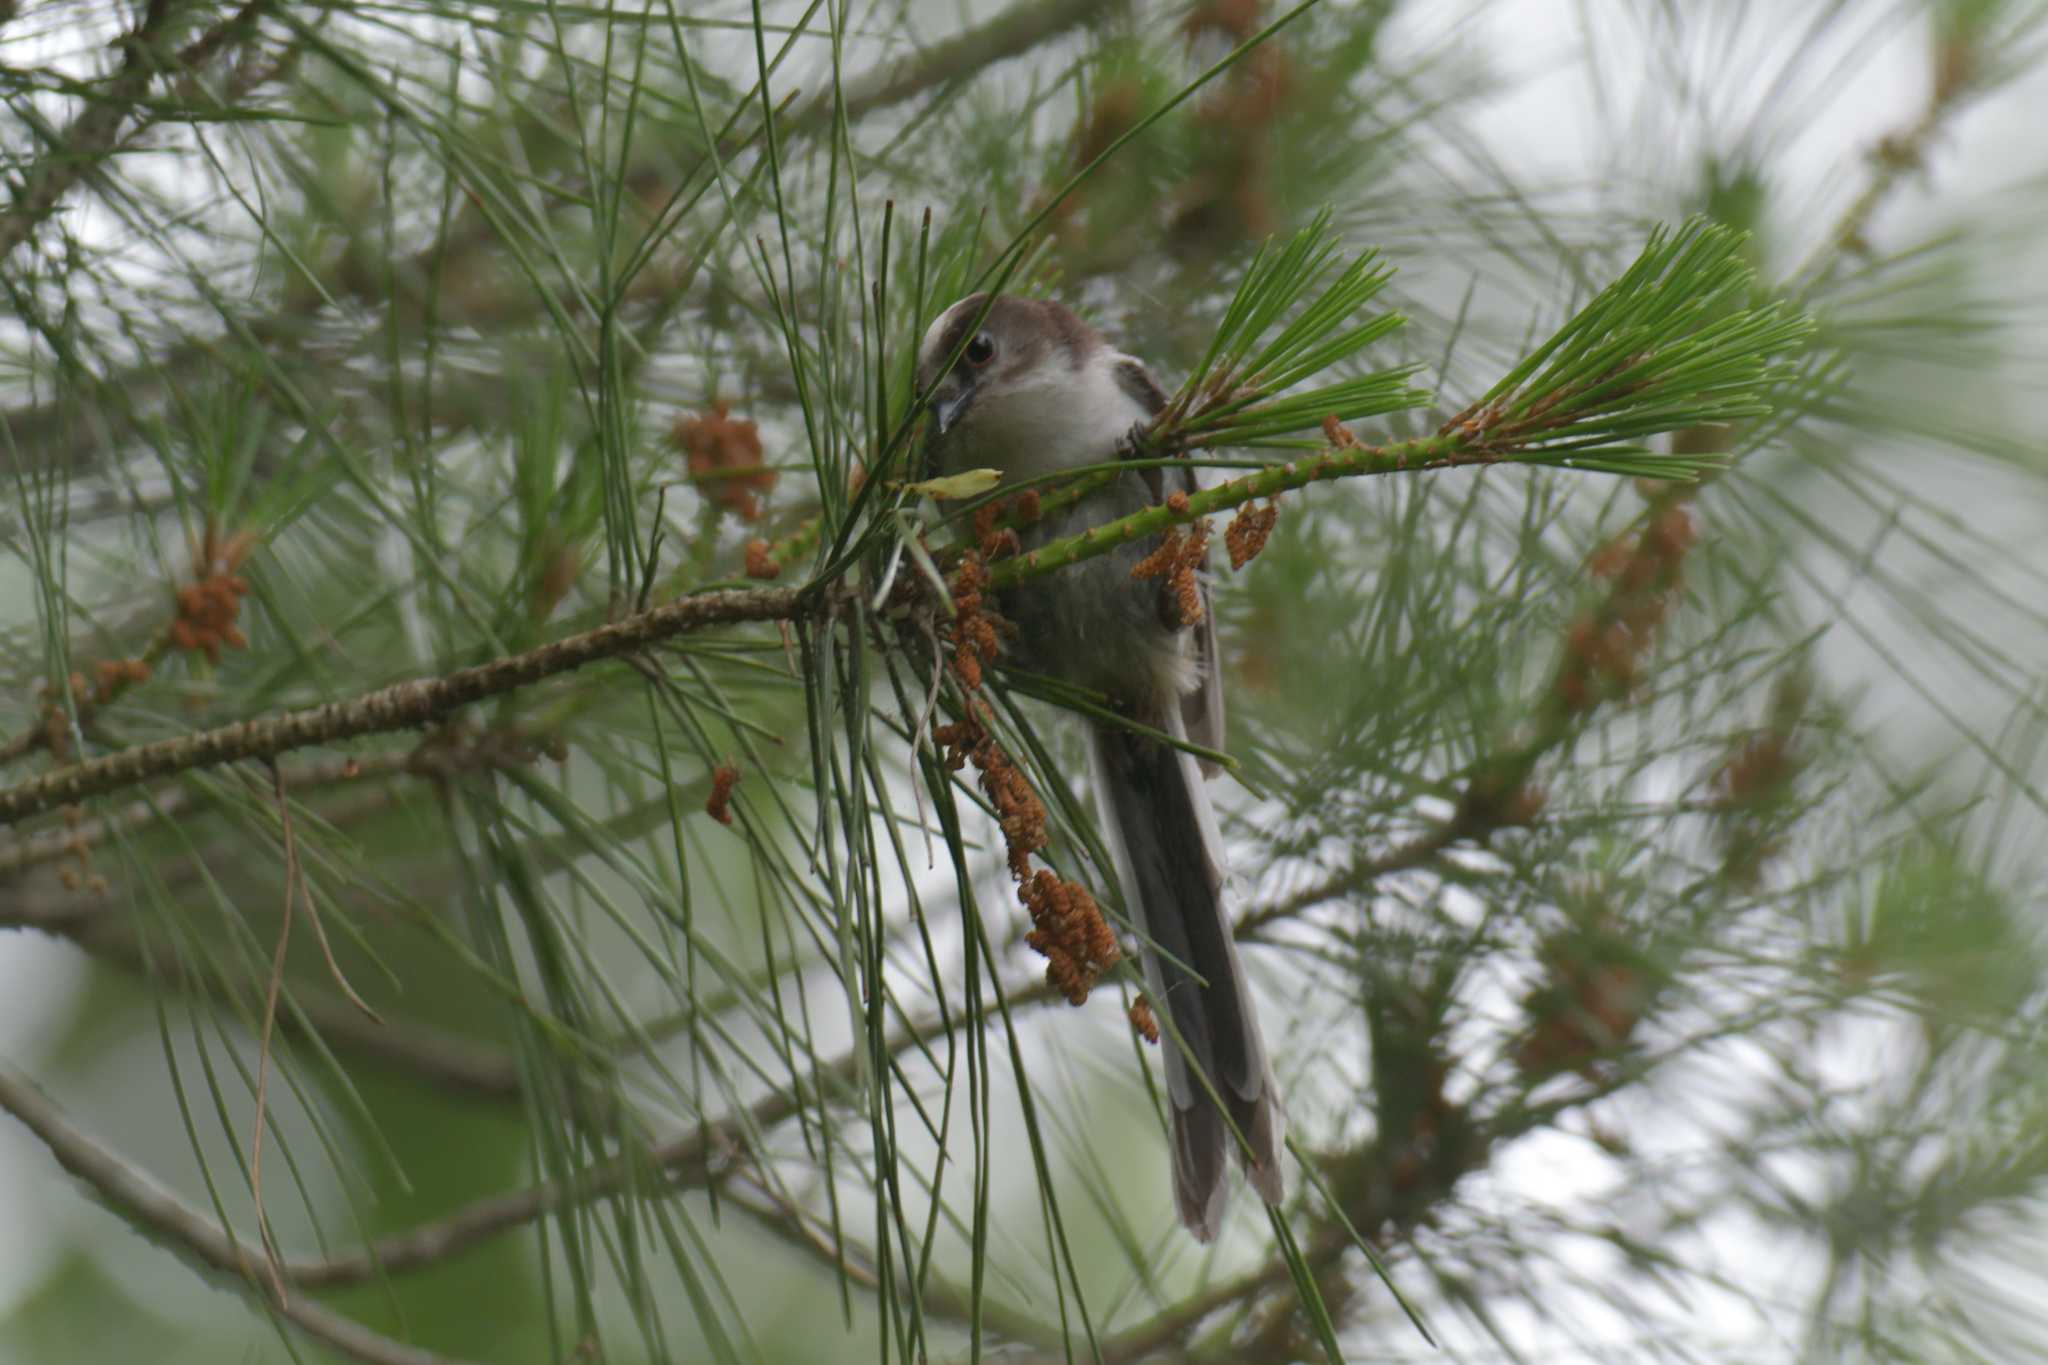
point(1162, 832)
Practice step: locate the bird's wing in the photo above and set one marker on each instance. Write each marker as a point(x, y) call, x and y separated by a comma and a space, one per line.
point(1201, 709)
point(1137, 381)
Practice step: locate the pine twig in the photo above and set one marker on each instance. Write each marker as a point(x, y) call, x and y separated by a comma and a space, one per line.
point(174, 804)
point(401, 706)
point(140, 1199)
point(91, 136)
point(1895, 155)
point(1016, 30)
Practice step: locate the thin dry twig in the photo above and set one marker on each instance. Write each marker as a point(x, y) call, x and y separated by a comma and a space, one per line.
point(271, 987)
point(295, 876)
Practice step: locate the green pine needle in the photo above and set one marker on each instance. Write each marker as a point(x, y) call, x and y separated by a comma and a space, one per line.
point(1678, 341)
point(1237, 395)
point(1671, 345)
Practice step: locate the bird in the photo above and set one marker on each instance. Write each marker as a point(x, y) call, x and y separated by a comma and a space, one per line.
point(1025, 387)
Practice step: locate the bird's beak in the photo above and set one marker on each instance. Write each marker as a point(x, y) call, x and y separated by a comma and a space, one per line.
point(947, 407)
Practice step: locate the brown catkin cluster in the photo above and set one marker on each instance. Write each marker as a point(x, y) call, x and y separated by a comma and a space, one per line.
point(1503, 801)
point(972, 634)
point(76, 872)
point(718, 805)
point(1240, 114)
point(208, 606)
point(1142, 1021)
point(1067, 926)
point(1756, 779)
point(1247, 532)
point(560, 566)
point(206, 615)
point(1181, 554)
point(723, 455)
point(760, 563)
point(1605, 646)
point(1756, 770)
point(992, 541)
point(1594, 994)
point(111, 677)
point(1018, 809)
point(1117, 107)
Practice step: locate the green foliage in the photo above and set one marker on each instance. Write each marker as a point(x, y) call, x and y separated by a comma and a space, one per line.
point(1638, 879)
point(1674, 343)
point(1238, 394)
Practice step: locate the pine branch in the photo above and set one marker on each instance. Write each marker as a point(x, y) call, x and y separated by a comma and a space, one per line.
point(137, 1197)
point(1666, 346)
point(78, 149)
point(439, 761)
point(689, 1156)
point(1965, 58)
point(1239, 394)
point(1014, 31)
point(1673, 344)
point(1657, 352)
point(402, 706)
point(37, 426)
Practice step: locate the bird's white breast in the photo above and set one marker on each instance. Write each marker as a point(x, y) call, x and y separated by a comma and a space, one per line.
point(1054, 418)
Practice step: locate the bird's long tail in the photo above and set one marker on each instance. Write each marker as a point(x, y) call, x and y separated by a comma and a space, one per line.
point(1162, 833)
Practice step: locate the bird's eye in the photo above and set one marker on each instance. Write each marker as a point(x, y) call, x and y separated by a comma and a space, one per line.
point(980, 350)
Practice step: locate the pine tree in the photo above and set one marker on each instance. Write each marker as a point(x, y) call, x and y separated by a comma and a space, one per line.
point(538, 849)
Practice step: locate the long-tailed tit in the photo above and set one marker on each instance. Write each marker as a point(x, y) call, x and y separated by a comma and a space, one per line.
point(1033, 390)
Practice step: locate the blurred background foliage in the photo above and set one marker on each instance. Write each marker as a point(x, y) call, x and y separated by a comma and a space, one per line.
point(1643, 878)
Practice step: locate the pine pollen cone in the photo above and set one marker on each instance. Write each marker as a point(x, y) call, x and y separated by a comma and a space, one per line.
point(1246, 535)
point(1142, 1022)
point(206, 615)
point(1181, 554)
point(1068, 928)
point(1067, 925)
point(759, 562)
point(972, 634)
point(115, 674)
point(1590, 1009)
point(1256, 86)
point(1606, 656)
point(1114, 112)
point(1018, 809)
point(1337, 434)
point(558, 575)
point(1237, 20)
point(1758, 769)
point(718, 805)
point(723, 456)
point(992, 541)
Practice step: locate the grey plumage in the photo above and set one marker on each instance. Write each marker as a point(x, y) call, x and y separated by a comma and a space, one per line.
point(1033, 390)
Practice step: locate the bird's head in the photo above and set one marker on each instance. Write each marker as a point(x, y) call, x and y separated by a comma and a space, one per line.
point(995, 369)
